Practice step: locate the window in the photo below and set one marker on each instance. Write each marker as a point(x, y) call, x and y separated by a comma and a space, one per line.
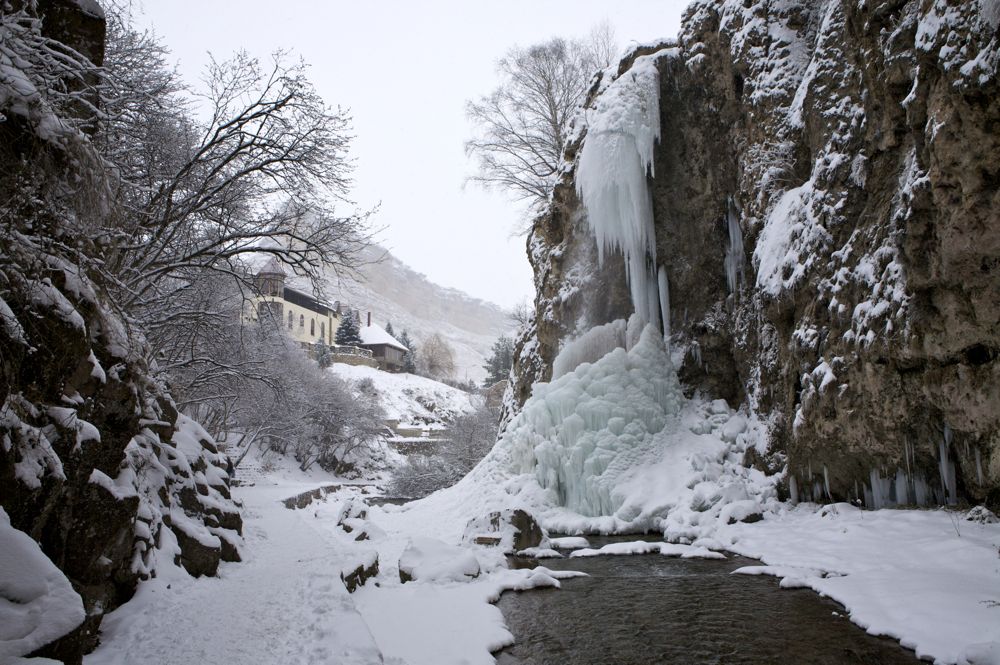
point(322, 330)
point(312, 327)
point(302, 320)
point(291, 320)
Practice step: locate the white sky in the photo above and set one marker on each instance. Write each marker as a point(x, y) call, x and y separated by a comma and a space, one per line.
point(405, 70)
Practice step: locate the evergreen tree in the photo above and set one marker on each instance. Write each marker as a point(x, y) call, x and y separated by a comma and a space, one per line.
point(498, 365)
point(323, 354)
point(349, 330)
point(410, 357)
point(388, 329)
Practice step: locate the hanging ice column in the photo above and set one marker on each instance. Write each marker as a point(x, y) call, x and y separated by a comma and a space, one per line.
point(735, 258)
point(622, 131)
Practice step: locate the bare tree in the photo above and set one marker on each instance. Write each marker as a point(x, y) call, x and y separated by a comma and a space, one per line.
point(521, 314)
point(437, 359)
point(522, 125)
point(261, 174)
point(471, 437)
point(307, 413)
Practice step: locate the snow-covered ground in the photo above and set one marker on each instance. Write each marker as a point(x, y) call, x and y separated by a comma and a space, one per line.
point(928, 578)
point(409, 398)
point(286, 602)
point(919, 576)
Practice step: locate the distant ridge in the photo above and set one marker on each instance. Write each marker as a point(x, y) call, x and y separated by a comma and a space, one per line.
point(398, 294)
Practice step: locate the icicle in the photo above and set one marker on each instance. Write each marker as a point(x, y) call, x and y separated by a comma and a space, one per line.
point(921, 492)
point(979, 467)
point(947, 470)
point(901, 488)
point(735, 256)
point(695, 351)
point(661, 278)
point(826, 483)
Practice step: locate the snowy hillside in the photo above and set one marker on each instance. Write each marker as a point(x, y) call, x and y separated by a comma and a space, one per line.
point(396, 293)
point(409, 398)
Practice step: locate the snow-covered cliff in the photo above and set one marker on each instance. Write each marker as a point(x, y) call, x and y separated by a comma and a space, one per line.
point(817, 230)
point(102, 482)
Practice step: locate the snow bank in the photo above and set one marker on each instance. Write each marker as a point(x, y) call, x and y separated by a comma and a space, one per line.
point(37, 602)
point(926, 578)
point(430, 560)
point(646, 547)
point(410, 398)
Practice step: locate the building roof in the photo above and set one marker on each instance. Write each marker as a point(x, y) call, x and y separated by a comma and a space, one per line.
point(307, 301)
point(373, 335)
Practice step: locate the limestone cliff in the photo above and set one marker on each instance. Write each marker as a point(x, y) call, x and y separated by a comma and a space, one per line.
point(826, 206)
point(96, 464)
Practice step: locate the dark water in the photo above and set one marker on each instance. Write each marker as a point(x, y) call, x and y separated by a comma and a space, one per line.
point(645, 609)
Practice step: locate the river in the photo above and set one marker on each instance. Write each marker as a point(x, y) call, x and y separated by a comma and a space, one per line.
point(646, 609)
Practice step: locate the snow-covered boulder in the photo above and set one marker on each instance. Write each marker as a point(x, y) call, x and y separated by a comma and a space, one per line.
point(430, 560)
point(982, 515)
point(359, 571)
point(37, 602)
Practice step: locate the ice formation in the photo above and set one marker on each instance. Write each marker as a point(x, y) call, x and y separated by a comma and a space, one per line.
point(622, 130)
point(664, 284)
point(735, 257)
point(589, 347)
point(581, 432)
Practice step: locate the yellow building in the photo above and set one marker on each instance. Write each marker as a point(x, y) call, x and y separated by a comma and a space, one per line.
point(305, 318)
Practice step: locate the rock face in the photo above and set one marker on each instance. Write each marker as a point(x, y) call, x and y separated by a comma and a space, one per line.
point(96, 464)
point(826, 205)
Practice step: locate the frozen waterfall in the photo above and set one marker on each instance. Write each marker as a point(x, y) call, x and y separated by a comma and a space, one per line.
point(582, 432)
point(622, 131)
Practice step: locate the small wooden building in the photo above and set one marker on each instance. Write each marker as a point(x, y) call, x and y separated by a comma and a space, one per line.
point(386, 349)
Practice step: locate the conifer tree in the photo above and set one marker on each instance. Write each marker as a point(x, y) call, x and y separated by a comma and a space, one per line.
point(498, 365)
point(349, 331)
point(388, 329)
point(410, 357)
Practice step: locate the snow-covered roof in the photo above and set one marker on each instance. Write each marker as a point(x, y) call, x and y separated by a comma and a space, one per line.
point(374, 334)
point(271, 267)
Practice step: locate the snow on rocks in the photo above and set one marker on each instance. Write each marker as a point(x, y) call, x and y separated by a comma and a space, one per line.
point(431, 560)
point(982, 515)
point(647, 547)
point(37, 602)
point(569, 542)
point(510, 530)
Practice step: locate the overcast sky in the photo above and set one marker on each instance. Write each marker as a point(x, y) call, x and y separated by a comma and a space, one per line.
point(405, 70)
